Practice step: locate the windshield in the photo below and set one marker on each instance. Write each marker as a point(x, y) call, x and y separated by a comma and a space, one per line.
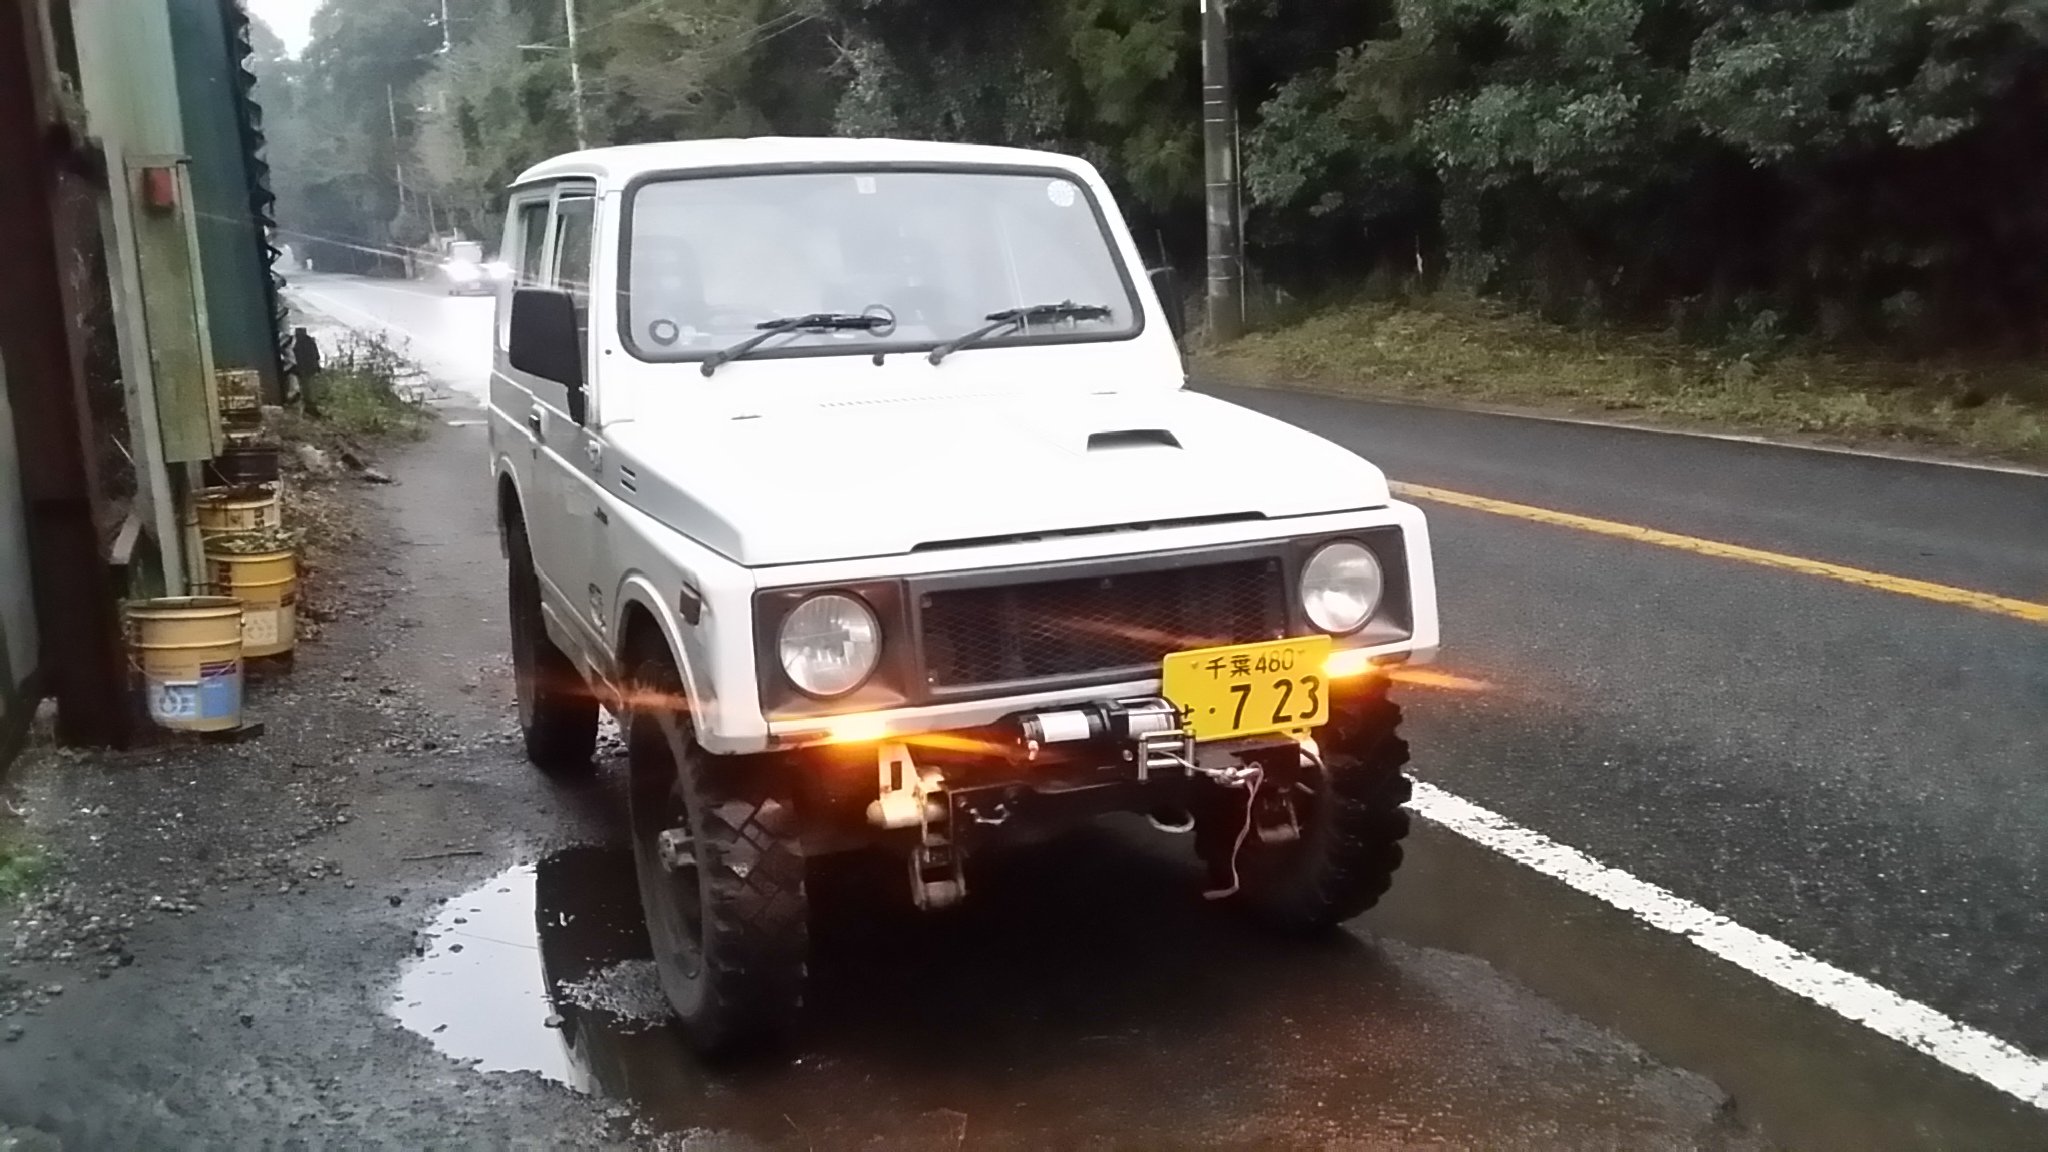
point(935, 251)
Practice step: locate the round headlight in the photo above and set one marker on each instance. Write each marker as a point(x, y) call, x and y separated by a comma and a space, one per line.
point(830, 644)
point(1341, 586)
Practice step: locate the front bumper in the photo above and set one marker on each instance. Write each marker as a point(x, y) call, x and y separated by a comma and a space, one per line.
point(1028, 775)
point(903, 723)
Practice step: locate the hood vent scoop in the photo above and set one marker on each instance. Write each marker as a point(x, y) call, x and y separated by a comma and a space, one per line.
point(1132, 438)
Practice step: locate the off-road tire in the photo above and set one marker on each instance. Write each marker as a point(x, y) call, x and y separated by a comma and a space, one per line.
point(735, 972)
point(1351, 827)
point(557, 713)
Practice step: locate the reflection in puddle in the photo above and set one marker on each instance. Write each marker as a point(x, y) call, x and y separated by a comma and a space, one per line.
point(1089, 997)
point(525, 971)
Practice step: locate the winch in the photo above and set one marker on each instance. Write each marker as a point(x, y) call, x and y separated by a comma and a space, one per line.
point(1147, 732)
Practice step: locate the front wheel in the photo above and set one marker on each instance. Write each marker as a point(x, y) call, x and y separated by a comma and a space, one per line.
point(721, 870)
point(1349, 815)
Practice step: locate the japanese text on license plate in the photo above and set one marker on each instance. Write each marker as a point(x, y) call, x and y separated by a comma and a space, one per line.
point(1249, 689)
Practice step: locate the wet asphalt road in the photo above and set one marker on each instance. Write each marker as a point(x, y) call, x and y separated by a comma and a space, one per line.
point(1845, 769)
point(1858, 773)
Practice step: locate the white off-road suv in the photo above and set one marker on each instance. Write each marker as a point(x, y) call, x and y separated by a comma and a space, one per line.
point(859, 479)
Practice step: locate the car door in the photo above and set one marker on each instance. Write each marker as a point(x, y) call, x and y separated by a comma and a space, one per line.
point(576, 449)
point(515, 402)
point(539, 410)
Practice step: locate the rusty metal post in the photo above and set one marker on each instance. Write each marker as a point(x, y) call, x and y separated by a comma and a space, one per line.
point(82, 653)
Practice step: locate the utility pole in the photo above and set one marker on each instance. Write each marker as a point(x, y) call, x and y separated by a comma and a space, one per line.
point(575, 73)
point(398, 173)
point(446, 45)
point(397, 157)
point(1219, 162)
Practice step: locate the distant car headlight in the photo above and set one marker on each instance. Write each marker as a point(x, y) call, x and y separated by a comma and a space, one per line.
point(1340, 587)
point(497, 270)
point(830, 644)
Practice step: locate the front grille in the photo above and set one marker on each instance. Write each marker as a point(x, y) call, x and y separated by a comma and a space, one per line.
point(1095, 624)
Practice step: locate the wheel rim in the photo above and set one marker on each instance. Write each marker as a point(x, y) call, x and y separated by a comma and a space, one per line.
point(664, 843)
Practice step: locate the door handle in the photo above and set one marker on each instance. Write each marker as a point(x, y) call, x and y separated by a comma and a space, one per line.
point(533, 421)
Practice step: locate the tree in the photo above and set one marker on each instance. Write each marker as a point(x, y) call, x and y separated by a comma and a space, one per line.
point(1858, 168)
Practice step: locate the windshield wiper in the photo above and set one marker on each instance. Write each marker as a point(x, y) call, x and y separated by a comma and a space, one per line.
point(812, 322)
point(1010, 318)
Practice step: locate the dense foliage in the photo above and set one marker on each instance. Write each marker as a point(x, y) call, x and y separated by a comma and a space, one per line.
point(1745, 168)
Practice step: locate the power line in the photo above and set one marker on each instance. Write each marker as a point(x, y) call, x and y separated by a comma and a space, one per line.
point(624, 13)
point(648, 6)
point(802, 18)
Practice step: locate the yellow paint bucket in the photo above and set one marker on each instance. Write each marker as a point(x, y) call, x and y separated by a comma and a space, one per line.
point(239, 510)
point(190, 652)
point(267, 584)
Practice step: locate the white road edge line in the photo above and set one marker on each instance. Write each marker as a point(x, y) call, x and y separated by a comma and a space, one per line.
point(1967, 1050)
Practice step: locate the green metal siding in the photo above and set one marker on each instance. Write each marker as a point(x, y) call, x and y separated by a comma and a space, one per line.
point(207, 37)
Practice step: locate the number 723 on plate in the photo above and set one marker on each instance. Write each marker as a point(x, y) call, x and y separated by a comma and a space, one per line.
point(1249, 689)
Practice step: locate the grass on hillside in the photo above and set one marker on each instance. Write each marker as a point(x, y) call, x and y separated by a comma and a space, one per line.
point(1462, 350)
point(365, 390)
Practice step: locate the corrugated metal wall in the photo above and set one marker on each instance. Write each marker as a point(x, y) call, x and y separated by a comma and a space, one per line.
point(230, 185)
point(17, 608)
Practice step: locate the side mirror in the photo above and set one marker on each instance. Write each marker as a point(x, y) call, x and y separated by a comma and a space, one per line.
point(544, 341)
point(1166, 284)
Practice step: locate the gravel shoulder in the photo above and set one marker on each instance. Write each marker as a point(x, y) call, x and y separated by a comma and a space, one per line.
point(208, 958)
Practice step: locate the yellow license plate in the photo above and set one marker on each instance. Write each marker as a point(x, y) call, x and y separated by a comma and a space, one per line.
point(1249, 689)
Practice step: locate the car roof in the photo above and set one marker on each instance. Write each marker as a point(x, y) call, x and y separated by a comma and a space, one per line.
point(615, 167)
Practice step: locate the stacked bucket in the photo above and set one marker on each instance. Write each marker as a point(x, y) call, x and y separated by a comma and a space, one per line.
point(250, 556)
point(191, 650)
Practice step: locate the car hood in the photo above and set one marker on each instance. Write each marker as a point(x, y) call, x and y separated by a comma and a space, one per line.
point(882, 476)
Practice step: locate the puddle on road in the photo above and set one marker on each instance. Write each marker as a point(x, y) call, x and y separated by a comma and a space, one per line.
point(1090, 995)
point(520, 973)
point(1085, 992)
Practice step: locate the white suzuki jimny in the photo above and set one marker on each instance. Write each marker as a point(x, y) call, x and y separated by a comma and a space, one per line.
point(859, 479)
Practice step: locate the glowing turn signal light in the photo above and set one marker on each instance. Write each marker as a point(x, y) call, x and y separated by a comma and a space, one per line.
point(1346, 664)
point(858, 730)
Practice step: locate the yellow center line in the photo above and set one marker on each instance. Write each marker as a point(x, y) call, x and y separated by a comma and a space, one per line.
point(1863, 578)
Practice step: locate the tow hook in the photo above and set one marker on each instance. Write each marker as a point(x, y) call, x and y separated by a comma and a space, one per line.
point(913, 797)
point(1276, 818)
point(676, 849)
